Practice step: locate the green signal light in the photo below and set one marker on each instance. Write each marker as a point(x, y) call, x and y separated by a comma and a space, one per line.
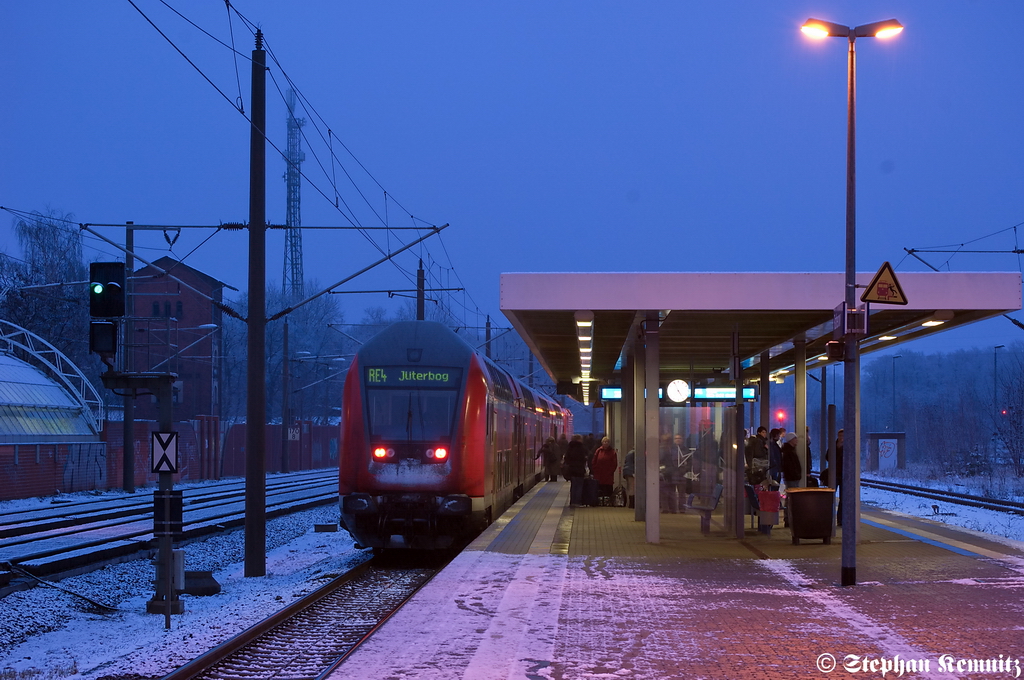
point(97, 288)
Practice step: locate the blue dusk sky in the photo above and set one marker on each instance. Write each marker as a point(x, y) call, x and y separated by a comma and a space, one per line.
point(551, 136)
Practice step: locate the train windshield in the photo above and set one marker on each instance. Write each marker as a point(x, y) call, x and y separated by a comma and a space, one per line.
point(411, 415)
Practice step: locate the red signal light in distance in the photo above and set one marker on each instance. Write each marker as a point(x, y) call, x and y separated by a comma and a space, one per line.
point(780, 415)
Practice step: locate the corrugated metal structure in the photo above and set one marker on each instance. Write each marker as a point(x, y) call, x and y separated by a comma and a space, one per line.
point(34, 408)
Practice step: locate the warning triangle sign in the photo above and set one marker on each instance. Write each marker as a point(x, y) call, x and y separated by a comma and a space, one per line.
point(884, 288)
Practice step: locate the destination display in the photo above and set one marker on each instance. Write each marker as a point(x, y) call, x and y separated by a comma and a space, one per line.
point(697, 396)
point(421, 376)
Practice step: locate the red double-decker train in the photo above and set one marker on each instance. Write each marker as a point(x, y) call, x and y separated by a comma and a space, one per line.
point(437, 440)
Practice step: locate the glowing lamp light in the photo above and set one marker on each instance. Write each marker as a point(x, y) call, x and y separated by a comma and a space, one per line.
point(816, 31)
point(380, 453)
point(440, 453)
point(887, 337)
point(933, 322)
point(889, 32)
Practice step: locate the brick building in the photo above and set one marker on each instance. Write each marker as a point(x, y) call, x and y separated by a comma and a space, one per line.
point(178, 329)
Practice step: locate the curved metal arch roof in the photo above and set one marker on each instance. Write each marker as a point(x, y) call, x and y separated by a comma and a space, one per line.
point(700, 310)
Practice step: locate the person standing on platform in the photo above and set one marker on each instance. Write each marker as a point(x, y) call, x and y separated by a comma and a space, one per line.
point(563, 447)
point(756, 454)
point(575, 468)
point(603, 467)
point(838, 476)
point(775, 454)
point(629, 476)
point(548, 455)
point(707, 458)
point(674, 460)
point(792, 468)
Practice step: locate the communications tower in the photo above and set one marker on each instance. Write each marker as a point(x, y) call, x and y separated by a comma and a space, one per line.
point(292, 279)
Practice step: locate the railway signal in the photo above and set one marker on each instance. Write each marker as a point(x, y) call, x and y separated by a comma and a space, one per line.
point(106, 289)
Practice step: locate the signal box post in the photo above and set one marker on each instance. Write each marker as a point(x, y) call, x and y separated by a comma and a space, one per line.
point(166, 517)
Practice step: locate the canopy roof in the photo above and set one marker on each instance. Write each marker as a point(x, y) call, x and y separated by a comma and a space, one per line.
point(34, 408)
point(700, 311)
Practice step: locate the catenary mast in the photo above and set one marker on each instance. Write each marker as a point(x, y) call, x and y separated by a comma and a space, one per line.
point(292, 279)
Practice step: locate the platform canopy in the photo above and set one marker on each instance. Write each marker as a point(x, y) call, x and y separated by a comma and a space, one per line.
point(700, 311)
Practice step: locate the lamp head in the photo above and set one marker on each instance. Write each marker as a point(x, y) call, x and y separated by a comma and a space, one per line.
point(818, 29)
point(879, 29)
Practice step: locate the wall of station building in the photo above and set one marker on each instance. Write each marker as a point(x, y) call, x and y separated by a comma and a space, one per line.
point(47, 469)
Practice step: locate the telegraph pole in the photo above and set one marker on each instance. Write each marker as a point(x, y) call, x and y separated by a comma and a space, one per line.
point(256, 406)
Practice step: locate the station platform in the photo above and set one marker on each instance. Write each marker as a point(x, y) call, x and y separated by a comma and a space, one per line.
point(550, 591)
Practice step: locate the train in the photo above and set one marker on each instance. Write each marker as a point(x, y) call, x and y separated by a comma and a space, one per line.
point(437, 440)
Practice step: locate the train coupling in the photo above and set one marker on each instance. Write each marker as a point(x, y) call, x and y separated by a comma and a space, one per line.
point(359, 504)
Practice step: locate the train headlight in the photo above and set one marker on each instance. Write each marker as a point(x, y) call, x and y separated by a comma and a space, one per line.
point(380, 453)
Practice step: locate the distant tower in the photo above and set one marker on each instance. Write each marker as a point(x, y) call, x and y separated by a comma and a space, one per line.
point(292, 279)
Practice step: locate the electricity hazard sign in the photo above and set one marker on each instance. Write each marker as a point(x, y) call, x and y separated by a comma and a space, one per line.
point(163, 452)
point(885, 288)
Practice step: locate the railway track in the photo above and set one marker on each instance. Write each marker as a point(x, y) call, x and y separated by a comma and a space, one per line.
point(74, 537)
point(946, 496)
point(314, 635)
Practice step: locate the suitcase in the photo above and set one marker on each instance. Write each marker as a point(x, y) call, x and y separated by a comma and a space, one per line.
point(590, 492)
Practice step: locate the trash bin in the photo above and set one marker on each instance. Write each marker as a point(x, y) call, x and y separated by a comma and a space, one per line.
point(810, 513)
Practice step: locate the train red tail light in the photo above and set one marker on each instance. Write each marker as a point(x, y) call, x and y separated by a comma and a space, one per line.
point(438, 455)
point(380, 453)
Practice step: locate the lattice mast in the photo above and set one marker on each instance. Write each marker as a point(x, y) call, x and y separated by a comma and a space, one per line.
point(292, 279)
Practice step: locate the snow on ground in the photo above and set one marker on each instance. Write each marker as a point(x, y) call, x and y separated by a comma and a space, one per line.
point(997, 525)
point(47, 633)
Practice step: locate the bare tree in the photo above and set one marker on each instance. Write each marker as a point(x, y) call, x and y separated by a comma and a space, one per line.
point(1009, 424)
point(45, 290)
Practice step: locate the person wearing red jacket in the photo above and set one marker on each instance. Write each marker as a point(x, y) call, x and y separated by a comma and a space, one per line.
point(603, 467)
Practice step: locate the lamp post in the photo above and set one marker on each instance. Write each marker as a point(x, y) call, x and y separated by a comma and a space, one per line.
point(818, 29)
point(894, 358)
point(995, 394)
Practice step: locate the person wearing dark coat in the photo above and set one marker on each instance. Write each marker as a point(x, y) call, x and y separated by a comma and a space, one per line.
point(838, 481)
point(575, 466)
point(775, 454)
point(629, 477)
point(792, 468)
point(756, 454)
point(548, 455)
point(706, 458)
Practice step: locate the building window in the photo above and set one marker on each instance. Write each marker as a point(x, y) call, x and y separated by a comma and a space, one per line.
point(177, 310)
point(156, 309)
point(167, 309)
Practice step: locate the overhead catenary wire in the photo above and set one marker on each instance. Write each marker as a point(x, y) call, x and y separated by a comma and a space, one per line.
point(319, 123)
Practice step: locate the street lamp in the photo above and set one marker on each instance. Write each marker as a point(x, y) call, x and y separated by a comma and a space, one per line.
point(894, 358)
point(816, 28)
point(995, 393)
